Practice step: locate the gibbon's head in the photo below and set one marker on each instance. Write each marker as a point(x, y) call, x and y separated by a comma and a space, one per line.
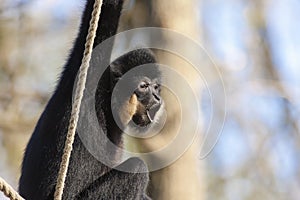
point(147, 101)
point(142, 104)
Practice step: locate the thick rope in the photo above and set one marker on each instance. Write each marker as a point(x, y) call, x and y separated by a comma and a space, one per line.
point(77, 100)
point(8, 191)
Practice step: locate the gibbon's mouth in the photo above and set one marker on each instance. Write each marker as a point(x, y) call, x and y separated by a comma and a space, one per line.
point(150, 116)
point(147, 117)
point(151, 112)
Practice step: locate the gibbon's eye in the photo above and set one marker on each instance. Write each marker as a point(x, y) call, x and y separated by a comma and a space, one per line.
point(143, 85)
point(156, 86)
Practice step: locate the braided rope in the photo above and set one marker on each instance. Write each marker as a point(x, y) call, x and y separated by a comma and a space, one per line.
point(77, 101)
point(8, 191)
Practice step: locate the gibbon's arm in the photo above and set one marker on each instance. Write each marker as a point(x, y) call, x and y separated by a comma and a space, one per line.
point(44, 151)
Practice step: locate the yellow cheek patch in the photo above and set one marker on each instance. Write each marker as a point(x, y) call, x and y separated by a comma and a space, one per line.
point(132, 105)
point(129, 108)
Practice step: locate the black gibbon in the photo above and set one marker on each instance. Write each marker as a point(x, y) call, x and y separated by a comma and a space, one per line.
point(88, 178)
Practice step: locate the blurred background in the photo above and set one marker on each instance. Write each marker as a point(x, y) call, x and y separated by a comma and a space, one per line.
point(254, 43)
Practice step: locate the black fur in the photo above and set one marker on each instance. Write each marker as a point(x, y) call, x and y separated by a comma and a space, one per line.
point(85, 179)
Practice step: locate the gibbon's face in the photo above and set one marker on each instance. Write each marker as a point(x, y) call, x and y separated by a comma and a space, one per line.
point(148, 101)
